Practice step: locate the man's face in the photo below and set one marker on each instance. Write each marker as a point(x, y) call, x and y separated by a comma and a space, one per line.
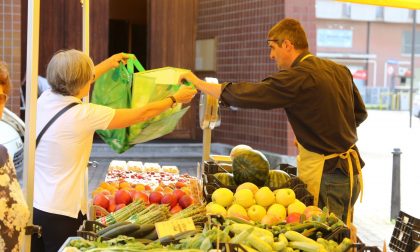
point(279, 52)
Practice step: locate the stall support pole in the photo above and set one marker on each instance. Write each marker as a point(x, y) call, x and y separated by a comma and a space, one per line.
point(86, 41)
point(32, 55)
point(396, 188)
point(206, 147)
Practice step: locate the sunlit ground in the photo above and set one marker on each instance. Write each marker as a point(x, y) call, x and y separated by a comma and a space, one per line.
point(378, 136)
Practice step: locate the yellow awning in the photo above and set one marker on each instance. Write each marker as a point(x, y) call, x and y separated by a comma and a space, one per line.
point(408, 4)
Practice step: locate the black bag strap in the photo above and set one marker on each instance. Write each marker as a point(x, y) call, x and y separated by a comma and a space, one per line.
point(53, 120)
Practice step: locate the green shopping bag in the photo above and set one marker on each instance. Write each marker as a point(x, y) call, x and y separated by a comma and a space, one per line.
point(150, 86)
point(113, 89)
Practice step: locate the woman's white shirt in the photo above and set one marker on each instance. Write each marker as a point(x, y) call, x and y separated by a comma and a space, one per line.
point(63, 153)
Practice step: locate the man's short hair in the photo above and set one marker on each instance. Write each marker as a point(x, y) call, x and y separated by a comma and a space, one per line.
point(69, 71)
point(291, 30)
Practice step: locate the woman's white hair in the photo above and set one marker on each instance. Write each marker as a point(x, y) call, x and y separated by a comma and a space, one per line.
point(69, 71)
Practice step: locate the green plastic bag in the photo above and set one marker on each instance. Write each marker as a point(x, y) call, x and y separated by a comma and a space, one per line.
point(113, 89)
point(150, 86)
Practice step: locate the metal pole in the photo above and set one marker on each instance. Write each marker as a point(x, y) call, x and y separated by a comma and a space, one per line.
point(396, 187)
point(413, 54)
point(32, 55)
point(85, 41)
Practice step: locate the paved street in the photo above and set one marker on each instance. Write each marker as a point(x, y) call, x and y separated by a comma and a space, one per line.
point(378, 136)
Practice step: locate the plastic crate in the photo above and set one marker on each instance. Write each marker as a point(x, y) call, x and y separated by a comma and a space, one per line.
point(415, 238)
point(88, 230)
point(402, 240)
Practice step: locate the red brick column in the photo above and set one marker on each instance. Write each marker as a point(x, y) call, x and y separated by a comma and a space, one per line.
point(10, 41)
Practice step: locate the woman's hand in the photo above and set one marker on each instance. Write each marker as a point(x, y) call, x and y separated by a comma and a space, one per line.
point(115, 59)
point(185, 94)
point(112, 62)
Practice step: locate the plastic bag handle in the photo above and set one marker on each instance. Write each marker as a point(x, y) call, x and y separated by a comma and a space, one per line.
point(131, 63)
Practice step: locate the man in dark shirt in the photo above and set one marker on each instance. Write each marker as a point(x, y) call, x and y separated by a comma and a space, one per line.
point(323, 106)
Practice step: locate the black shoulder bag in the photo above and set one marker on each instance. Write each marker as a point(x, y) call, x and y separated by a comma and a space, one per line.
point(53, 120)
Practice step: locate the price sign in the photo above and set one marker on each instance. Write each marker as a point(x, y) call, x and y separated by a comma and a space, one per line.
point(173, 227)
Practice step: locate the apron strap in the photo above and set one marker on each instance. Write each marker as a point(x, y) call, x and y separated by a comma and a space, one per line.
point(347, 155)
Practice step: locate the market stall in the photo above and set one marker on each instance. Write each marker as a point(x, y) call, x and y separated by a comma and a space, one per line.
point(236, 202)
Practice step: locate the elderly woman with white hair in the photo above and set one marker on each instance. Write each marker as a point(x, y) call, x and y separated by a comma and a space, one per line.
point(63, 151)
point(14, 213)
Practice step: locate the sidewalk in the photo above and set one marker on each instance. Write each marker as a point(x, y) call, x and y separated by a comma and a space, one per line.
point(378, 136)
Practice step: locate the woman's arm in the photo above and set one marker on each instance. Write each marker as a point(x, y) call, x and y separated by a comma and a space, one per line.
point(126, 117)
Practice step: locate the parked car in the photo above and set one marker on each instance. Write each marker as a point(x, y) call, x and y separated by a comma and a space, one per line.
point(12, 131)
point(416, 104)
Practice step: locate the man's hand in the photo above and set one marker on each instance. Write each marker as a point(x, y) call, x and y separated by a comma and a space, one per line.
point(185, 94)
point(190, 77)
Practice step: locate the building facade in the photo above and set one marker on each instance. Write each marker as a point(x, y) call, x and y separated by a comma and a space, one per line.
point(226, 40)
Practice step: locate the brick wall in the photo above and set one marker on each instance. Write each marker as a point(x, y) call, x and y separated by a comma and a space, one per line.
point(10, 41)
point(240, 27)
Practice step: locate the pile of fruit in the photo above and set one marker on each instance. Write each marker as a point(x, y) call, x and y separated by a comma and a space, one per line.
point(114, 196)
point(260, 205)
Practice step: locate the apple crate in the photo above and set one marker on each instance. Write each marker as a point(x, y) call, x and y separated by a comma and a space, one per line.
point(402, 238)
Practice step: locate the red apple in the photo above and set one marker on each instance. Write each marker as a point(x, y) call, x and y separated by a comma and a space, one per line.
point(178, 193)
point(101, 200)
point(185, 201)
point(112, 205)
point(293, 218)
point(155, 197)
point(176, 209)
point(119, 206)
point(169, 199)
point(141, 196)
point(123, 196)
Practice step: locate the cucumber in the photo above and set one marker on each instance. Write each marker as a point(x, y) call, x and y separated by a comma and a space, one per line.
point(110, 227)
point(258, 244)
point(151, 236)
point(142, 231)
point(121, 230)
point(306, 246)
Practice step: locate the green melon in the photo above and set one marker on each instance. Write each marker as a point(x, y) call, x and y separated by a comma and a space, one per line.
point(250, 166)
point(238, 149)
point(278, 179)
point(225, 178)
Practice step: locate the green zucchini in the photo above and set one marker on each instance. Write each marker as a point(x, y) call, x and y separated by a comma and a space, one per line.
point(152, 235)
point(121, 230)
point(142, 231)
point(110, 227)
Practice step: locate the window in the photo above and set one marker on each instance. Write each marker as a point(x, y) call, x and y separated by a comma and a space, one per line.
point(334, 38)
point(407, 40)
point(205, 55)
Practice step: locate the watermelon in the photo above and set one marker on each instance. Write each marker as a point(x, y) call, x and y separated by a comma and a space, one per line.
point(225, 178)
point(238, 149)
point(278, 179)
point(250, 166)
